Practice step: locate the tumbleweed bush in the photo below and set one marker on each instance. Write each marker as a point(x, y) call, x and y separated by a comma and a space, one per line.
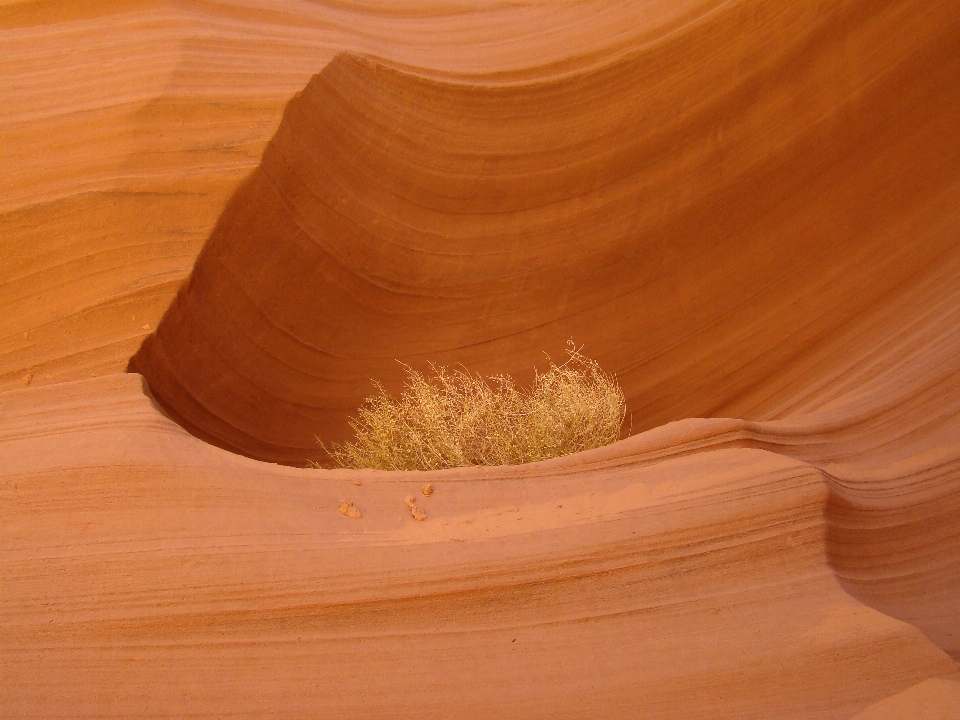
point(455, 418)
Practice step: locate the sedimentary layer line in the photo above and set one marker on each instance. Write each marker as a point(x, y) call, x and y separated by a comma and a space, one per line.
point(705, 215)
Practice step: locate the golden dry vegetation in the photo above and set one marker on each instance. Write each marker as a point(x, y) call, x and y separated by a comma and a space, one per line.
point(454, 418)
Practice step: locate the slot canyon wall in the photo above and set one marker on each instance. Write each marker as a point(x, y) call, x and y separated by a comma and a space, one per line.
point(219, 222)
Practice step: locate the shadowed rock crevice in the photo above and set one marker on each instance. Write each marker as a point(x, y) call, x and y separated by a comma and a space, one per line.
point(703, 216)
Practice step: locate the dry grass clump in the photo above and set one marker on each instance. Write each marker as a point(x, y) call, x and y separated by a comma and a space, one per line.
point(456, 419)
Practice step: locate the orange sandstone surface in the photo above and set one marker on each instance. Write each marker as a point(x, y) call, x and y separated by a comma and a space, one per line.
point(220, 220)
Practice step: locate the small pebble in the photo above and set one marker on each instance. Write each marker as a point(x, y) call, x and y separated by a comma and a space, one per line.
point(417, 513)
point(27, 379)
point(147, 326)
point(357, 483)
point(427, 490)
point(410, 501)
point(348, 509)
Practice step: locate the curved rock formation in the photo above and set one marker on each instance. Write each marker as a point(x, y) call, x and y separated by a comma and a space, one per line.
point(704, 215)
point(102, 199)
point(670, 575)
point(749, 211)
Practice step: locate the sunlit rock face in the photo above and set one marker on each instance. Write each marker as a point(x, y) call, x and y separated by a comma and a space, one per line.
point(750, 212)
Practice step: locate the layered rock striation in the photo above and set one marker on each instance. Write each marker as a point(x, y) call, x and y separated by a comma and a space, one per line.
point(749, 211)
point(706, 216)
